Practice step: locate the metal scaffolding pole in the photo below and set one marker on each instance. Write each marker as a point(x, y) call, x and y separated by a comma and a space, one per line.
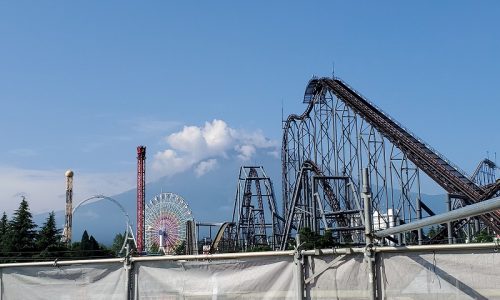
point(448, 224)
point(369, 254)
point(457, 214)
point(297, 258)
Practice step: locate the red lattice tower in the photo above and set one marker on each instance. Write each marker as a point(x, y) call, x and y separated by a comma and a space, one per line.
point(141, 191)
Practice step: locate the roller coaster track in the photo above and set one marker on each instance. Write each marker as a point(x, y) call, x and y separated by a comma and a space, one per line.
point(436, 166)
point(220, 235)
point(334, 202)
point(254, 196)
point(485, 167)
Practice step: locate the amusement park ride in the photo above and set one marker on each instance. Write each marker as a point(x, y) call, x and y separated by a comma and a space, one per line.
point(324, 152)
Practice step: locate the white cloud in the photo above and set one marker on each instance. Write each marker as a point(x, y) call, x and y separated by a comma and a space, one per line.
point(168, 162)
point(199, 147)
point(258, 139)
point(218, 136)
point(45, 190)
point(245, 152)
point(274, 153)
point(205, 166)
point(190, 139)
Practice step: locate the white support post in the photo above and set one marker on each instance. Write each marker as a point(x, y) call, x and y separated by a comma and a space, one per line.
point(369, 253)
point(127, 265)
point(297, 258)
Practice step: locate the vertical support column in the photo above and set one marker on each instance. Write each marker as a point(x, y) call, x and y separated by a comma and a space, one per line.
point(68, 225)
point(136, 285)
point(448, 224)
point(477, 225)
point(129, 284)
point(419, 217)
point(369, 254)
point(297, 258)
point(141, 190)
point(305, 212)
point(314, 206)
point(1, 283)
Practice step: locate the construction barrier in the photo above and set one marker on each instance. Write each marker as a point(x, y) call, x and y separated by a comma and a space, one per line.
point(461, 272)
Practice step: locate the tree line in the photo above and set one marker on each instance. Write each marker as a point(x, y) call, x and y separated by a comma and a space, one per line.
point(21, 240)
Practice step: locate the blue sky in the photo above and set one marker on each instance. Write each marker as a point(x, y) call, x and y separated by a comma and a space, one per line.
point(83, 83)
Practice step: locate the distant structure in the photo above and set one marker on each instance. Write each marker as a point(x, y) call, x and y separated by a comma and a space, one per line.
point(485, 173)
point(68, 225)
point(255, 195)
point(141, 192)
point(166, 219)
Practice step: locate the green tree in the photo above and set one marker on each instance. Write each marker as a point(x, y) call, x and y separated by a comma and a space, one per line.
point(312, 240)
point(89, 247)
point(117, 244)
point(49, 238)
point(180, 249)
point(432, 232)
point(22, 230)
point(4, 223)
point(260, 248)
point(93, 244)
point(84, 244)
point(75, 249)
point(483, 237)
point(155, 249)
point(326, 240)
point(95, 248)
point(4, 227)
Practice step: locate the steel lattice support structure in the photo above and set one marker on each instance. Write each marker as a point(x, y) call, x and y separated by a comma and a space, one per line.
point(464, 230)
point(342, 132)
point(141, 195)
point(68, 224)
point(255, 196)
point(485, 173)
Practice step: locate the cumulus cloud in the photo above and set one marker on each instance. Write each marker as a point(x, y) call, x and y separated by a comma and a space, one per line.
point(205, 166)
point(245, 152)
point(199, 147)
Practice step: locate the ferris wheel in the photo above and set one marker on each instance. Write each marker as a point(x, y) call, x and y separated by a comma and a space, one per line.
point(165, 218)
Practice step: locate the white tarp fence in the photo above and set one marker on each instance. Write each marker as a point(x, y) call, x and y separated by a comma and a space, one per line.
point(458, 274)
point(447, 275)
point(346, 278)
point(248, 278)
point(426, 275)
point(88, 281)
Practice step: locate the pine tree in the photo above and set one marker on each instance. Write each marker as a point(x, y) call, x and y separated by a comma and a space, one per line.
point(117, 244)
point(85, 244)
point(22, 231)
point(49, 238)
point(4, 223)
point(94, 246)
point(4, 227)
